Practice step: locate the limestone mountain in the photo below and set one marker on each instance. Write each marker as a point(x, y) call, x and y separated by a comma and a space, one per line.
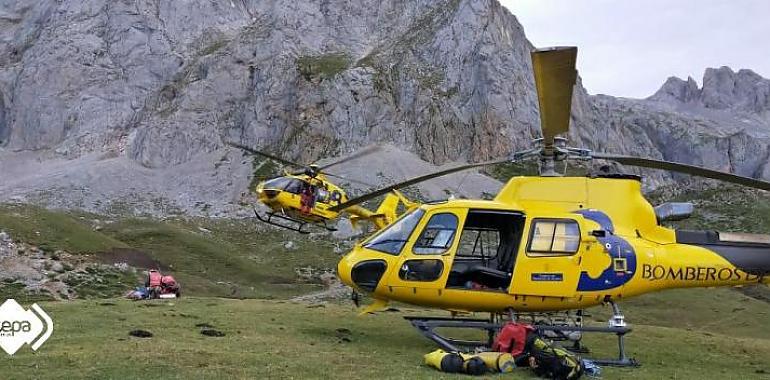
point(130, 101)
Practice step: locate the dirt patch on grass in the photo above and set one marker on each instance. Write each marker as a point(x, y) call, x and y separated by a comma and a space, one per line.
point(132, 257)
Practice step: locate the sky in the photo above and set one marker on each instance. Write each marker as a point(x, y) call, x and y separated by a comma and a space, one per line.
point(630, 47)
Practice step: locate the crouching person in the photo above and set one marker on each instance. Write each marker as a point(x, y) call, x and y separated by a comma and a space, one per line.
point(170, 286)
point(160, 286)
point(153, 284)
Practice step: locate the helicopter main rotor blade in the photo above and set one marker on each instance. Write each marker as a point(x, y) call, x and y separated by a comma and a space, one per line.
point(263, 154)
point(413, 181)
point(684, 168)
point(348, 179)
point(555, 76)
point(361, 153)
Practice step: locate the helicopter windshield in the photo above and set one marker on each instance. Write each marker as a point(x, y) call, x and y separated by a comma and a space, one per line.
point(276, 183)
point(291, 185)
point(393, 238)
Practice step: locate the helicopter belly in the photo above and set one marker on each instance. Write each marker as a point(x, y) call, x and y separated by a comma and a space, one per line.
point(485, 301)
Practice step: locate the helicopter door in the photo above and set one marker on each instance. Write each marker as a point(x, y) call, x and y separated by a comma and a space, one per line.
point(487, 249)
point(426, 261)
point(550, 262)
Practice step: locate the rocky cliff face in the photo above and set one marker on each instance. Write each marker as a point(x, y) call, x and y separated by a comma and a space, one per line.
point(723, 89)
point(163, 81)
point(150, 86)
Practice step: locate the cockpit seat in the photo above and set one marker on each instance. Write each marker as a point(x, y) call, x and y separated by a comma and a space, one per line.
point(463, 273)
point(489, 277)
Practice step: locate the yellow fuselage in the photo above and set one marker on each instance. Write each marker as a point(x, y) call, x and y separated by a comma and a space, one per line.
point(619, 251)
point(283, 196)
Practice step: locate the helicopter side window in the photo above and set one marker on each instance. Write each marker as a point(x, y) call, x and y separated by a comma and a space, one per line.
point(392, 239)
point(322, 195)
point(336, 197)
point(553, 237)
point(421, 270)
point(294, 186)
point(437, 236)
point(478, 243)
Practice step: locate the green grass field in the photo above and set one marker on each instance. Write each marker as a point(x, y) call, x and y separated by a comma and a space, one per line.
point(238, 278)
point(281, 339)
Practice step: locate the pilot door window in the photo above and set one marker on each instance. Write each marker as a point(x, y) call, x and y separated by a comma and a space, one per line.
point(437, 236)
point(550, 237)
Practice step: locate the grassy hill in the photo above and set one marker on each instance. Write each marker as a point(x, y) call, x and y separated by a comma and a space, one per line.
point(217, 258)
point(280, 339)
point(681, 334)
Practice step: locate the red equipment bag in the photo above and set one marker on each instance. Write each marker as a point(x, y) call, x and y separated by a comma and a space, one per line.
point(512, 338)
point(168, 281)
point(153, 278)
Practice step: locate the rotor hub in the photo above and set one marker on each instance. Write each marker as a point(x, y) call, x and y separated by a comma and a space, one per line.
point(552, 157)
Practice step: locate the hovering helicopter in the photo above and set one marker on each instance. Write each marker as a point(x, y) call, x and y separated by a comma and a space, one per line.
point(305, 197)
point(549, 246)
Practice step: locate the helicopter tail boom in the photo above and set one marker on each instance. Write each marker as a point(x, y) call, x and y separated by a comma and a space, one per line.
point(748, 252)
point(385, 214)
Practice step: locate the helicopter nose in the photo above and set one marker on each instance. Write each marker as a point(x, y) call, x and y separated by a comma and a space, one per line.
point(344, 269)
point(363, 275)
point(268, 193)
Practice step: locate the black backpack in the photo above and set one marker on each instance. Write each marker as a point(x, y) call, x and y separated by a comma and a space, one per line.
point(553, 362)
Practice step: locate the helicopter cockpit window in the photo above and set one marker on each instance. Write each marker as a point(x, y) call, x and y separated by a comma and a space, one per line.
point(277, 183)
point(437, 236)
point(554, 237)
point(392, 239)
point(294, 186)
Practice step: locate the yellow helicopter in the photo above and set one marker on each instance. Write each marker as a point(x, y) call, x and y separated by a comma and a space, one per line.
point(549, 244)
point(306, 197)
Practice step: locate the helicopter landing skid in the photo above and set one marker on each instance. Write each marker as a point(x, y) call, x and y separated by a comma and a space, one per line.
point(427, 325)
point(293, 224)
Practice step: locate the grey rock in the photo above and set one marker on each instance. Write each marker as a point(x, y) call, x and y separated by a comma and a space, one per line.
point(678, 90)
point(124, 106)
point(57, 267)
point(345, 229)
